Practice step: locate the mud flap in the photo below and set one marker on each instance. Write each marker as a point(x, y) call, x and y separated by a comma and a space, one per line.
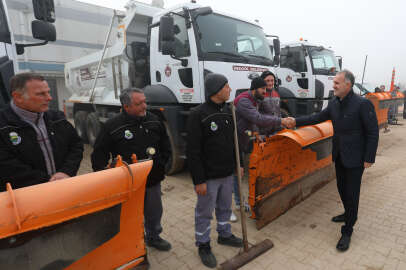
point(287, 168)
point(92, 221)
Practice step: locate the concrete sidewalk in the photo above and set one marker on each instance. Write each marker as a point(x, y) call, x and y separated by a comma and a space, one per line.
point(304, 237)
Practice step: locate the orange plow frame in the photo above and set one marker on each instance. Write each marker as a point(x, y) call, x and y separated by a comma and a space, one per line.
point(286, 168)
point(381, 102)
point(37, 207)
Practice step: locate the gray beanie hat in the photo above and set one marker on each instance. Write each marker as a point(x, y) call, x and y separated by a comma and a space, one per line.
point(213, 83)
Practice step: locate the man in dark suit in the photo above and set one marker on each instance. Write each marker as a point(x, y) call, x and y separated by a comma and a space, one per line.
point(355, 142)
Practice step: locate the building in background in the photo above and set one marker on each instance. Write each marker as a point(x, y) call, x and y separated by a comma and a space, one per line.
point(81, 29)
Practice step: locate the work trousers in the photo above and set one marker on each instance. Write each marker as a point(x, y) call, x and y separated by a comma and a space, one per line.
point(153, 212)
point(218, 198)
point(349, 185)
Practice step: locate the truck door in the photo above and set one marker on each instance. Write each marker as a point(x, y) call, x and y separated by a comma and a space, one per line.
point(179, 76)
point(294, 72)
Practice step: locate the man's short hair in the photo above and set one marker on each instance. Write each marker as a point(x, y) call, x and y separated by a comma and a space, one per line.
point(348, 76)
point(18, 81)
point(125, 96)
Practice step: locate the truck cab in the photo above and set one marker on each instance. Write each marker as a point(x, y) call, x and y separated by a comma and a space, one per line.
point(306, 74)
point(167, 52)
point(42, 29)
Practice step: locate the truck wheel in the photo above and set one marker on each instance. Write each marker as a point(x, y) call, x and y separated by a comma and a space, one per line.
point(175, 163)
point(80, 119)
point(93, 127)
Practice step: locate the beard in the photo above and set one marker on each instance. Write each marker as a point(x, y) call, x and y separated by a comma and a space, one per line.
point(258, 96)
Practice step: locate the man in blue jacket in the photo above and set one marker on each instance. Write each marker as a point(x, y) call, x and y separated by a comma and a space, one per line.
point(355, 142)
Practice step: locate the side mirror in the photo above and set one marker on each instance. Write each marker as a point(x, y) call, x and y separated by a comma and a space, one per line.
point(168, 47)
point(5, 35)
point(6, 72)
point(277, 46)
point(43, 30)
point(203, 11)
point(340, 62)
point(166, 29)
point(276, 60)
point(44, 10)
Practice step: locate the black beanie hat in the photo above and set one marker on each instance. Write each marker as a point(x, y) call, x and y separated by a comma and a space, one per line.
point(213, 83)
point(266, 73)
point(257, 82)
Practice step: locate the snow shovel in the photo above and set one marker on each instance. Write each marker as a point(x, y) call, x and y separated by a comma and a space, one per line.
point(248, 253)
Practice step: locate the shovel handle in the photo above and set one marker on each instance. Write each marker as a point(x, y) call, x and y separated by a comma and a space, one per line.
point(237, 160)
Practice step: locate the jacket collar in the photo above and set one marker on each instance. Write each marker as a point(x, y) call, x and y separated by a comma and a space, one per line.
point(218, 107)
point(26, 115)
point(346, 99)
point(136, 119)
point(12, 118)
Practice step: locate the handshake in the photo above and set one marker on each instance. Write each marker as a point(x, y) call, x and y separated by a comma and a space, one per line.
point(288, 122)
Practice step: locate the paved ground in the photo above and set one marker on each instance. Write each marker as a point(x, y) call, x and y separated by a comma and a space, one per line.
point(304, 237)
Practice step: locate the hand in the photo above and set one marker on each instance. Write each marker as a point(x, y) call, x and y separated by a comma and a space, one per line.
point(201, 189)
point(288, 122)
point(58, 176)
point(367, 165)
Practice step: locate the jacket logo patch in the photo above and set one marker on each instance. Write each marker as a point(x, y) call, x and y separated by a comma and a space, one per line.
point(213, 126)
point(128, 135)
point(15, 138)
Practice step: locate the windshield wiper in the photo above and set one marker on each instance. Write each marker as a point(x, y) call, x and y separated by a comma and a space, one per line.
point(261, 57)
point(230, 54)
point(325, 71)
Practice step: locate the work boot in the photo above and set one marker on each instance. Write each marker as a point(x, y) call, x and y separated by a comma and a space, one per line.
point(339, 218)
point(231, 241)
point(344, 243)
point(207, 257)
point(159, 244)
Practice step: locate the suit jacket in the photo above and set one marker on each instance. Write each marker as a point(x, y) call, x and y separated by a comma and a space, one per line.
point(355, 125)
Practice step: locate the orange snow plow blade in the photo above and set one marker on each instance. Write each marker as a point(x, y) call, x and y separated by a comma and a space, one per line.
point(381, 102)
point(400, 98)
point(91, 221)
point(287, 168)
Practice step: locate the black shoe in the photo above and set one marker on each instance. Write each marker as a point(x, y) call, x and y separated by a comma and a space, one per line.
point(339, 218)
point(159, 244)
point(207, 257)
point(231, 241)
point(344, 242)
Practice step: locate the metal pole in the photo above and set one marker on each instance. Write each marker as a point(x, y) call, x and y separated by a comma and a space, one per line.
point(101, 58)
point(237, 161)
point(363, 73)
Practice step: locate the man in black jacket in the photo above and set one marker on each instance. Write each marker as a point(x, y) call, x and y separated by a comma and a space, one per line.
point(36, 145)
point(355, 142)
point(133, 132)
point(211, 159)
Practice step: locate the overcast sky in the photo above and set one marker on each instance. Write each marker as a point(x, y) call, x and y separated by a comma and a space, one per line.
point(352, 28)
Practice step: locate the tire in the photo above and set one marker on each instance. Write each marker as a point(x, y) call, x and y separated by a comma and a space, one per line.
point(80, 120)
point(93, 127)
point(175, 163)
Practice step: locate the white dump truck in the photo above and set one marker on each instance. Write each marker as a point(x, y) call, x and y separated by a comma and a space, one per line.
point(42, 29)
point(306, 75)
point(166, 52)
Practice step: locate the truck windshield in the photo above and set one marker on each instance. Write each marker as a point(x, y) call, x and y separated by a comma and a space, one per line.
point(324, 61)
point(222, 38)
